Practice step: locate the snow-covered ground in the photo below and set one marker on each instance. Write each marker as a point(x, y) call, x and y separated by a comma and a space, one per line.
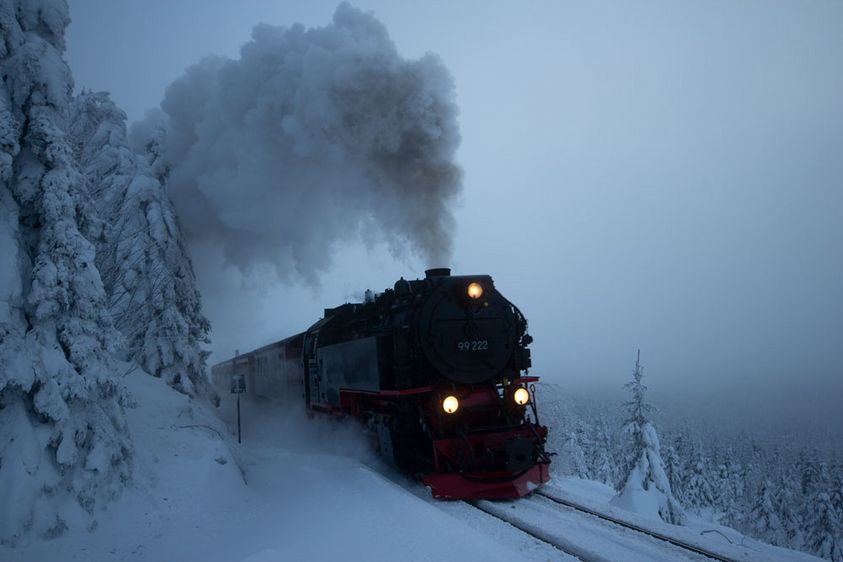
point(301, 489)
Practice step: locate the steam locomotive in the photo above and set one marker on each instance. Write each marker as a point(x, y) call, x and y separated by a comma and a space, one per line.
point(436, 368)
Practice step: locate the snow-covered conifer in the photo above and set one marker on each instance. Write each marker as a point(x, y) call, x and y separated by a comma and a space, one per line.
point(730, 492)
point(765, 523)
point(673, 468)
point(62, 426)
point(809, 474)
point(572, 459)
point(148, 139)
point(644, 480)
point(602, 466)
point(788, 511)
point(823, 537)
point(698, 492)
point(836, 492)
point(145, 264)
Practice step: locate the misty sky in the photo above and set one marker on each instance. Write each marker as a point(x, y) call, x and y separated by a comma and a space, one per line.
point(664, 175)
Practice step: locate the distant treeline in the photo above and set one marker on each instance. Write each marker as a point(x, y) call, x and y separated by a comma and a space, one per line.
point(775, 491)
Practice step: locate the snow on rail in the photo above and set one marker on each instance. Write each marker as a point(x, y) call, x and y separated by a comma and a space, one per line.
point(539, 534)
point(629, 525)
point(580, 535)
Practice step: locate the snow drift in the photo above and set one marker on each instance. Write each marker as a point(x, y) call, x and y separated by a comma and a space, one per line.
point(312, 136)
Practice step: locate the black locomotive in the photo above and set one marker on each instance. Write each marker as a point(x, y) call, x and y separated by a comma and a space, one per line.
point(436, 368)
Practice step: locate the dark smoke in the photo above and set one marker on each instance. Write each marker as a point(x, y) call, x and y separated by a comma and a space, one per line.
point(311, 137)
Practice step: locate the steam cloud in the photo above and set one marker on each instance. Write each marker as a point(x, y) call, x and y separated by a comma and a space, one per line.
point(313, 136)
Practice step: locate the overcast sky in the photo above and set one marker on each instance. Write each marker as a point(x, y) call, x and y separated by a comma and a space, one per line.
point(663, 175)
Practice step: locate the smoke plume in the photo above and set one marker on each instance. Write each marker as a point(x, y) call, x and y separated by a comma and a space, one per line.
point(313, 136)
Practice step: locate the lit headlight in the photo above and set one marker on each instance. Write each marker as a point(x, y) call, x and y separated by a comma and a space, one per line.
point(450, 404)
point(475, 291)
point(521, 396)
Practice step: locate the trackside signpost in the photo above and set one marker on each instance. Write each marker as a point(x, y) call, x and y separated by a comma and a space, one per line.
point(238, 387)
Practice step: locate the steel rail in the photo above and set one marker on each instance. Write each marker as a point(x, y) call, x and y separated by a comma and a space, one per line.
point(632, 526)
point(536, 534)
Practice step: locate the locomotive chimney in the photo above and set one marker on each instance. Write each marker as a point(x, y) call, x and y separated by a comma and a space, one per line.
point(437, 272)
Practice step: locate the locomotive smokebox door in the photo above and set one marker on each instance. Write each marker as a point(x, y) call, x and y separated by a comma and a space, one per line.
point(238, 384)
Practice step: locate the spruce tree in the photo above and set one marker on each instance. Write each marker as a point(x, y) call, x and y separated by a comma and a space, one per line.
point(809, 474)
point(674, 470)
point(146, 268)
point(765, 522)
point(823, 537)
point(644, 472)
point(572, 457)
point(698, 490)
point(732, 500)
point(62, 425)
point(603, 464)
point(836, 492)
point(789, 511)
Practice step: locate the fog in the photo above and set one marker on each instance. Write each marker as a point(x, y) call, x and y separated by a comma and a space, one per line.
point(665, 176)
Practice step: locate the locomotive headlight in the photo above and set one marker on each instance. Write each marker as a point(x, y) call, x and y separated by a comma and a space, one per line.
point(450, 404)
point(521, 396)
point(475, 291)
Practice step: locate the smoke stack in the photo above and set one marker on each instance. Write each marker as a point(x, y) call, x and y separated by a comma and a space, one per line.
point(437, 272)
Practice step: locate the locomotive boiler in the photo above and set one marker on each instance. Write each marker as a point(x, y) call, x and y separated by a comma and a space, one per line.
point(436, 368)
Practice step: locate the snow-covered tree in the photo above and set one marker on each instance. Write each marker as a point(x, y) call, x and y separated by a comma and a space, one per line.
point(730, 491)
point(572, 458)
point(809, 473)
point(674, 470)
point(698, 489)
point(836, 492)
point(645, 484)
point(602, 464)
point(823, 537)
point(789, 511)
point(62, 426)
point(148, 139)
point(764, 519)
point(145, 264)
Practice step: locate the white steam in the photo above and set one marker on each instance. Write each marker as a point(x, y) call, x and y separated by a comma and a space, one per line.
point(311, 137)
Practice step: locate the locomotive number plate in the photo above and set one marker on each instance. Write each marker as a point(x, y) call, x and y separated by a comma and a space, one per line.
point(472, 345)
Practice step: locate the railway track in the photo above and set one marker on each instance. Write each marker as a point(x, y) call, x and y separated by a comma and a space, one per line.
point(632, 526)
point(538, 534)
point(625, 546)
